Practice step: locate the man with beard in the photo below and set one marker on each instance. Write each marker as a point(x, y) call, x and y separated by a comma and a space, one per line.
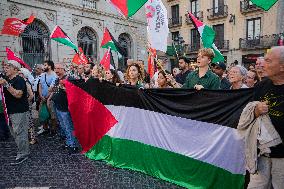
point(61, 107)
point(15, 92)
point(184, 67)
point(88, 70)
point(219, 68)
point(47, 80)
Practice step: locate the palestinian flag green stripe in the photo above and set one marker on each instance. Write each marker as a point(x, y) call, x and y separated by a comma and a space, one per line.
point(110, 45)
point(67, 42)
point(185, 171)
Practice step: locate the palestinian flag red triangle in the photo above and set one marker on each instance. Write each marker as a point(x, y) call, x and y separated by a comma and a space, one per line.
point(93, 120)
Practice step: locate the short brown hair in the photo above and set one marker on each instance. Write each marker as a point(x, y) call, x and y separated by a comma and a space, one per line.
point(207, 52)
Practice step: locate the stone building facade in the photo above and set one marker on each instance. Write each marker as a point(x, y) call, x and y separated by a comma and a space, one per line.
point(82, 20)
point(243, 31)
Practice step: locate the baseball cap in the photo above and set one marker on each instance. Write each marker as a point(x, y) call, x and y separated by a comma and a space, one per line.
point(222, 65)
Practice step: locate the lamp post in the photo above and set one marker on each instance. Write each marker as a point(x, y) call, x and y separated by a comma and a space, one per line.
point(179, 42)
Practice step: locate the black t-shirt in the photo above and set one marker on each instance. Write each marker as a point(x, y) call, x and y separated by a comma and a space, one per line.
point(274, 94)
point(181, 77)
point(225, 84)
point(60, 98)
point(17, 105)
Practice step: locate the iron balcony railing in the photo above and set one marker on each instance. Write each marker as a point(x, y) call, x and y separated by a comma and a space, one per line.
point(175, 22)
point(192, 48)
point(222, 45)
point(198, 15)
point(261, 42)
point(246, 7)
point(217, 12)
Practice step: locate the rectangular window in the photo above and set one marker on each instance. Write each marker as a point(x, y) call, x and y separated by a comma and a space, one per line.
point(175, 11)
point(253, 28)
point(219, 38)
point(175, 14)
point(195, 40)
point(194, 7)
point(218, 6)
point(175, 35)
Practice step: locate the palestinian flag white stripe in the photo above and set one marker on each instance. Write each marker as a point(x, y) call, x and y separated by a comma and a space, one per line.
point(214, 144)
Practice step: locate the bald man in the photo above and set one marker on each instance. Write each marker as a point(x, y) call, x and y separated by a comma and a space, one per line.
point(270, 94)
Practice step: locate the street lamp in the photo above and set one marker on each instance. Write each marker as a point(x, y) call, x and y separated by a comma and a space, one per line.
point(179, 42)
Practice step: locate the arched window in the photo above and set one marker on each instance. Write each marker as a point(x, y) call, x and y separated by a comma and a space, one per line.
point(125, 41)
point(87, 40)
point(36, 43)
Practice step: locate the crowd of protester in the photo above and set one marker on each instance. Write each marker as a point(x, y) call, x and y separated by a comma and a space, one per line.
point(38, 104)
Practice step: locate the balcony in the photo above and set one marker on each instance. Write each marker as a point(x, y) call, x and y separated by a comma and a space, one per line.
point(198, 15)
point(192, 48)
point(217, 12)
point(90, 4)
point(246, 7)
point(262, 42)
point(175, 22)
point(222, 45)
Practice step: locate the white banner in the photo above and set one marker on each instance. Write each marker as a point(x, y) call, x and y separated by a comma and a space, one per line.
point(158, 29)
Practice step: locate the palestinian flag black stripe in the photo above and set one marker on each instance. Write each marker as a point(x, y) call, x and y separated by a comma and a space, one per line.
point(219, 107)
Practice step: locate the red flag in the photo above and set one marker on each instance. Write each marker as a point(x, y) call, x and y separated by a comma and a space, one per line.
point(105, 62)
point(11, 56)
point(80, 58)
point(151, 62)
point(15, 26)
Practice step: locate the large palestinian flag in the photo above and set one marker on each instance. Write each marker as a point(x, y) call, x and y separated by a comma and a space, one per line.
point(182, 136)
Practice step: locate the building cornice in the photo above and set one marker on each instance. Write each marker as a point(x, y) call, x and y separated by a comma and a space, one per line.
point(76, 7)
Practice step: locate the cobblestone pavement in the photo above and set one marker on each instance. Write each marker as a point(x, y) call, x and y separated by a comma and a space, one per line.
point(50, 166)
